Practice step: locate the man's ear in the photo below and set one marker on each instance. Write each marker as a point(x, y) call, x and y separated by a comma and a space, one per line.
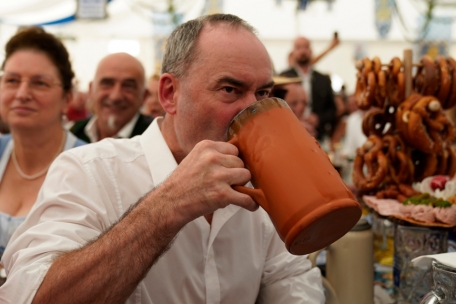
point(167, 92)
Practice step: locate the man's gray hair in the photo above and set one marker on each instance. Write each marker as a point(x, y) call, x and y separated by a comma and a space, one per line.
point(181, 45)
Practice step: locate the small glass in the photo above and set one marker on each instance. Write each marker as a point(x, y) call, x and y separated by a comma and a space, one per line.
point(412, 283)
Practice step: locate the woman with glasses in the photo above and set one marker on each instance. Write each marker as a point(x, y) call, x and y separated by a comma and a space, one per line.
point(35, 90)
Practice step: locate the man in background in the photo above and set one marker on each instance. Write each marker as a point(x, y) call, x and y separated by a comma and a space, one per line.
point(117, 93)
point(321, 109)
point(291, 90)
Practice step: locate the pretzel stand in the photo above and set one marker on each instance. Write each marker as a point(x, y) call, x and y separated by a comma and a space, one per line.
point(409, 139)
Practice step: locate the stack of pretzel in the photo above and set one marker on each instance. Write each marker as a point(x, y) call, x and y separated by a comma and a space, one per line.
point(407, 139)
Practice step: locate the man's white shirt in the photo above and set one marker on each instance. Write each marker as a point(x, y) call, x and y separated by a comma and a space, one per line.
point(238, 259)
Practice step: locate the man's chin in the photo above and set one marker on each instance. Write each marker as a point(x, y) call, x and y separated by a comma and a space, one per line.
point(303, 61)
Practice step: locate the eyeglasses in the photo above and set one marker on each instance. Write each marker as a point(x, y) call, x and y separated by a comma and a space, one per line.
point(37, 83)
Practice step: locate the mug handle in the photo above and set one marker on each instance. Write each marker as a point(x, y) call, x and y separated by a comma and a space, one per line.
point(256, 194)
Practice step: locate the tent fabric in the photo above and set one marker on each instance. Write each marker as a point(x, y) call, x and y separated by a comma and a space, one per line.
point(38, 12)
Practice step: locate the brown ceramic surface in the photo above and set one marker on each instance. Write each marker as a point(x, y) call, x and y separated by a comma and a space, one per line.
point(294, 180)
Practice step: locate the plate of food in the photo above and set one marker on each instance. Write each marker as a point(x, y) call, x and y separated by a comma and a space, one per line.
point(431, 203)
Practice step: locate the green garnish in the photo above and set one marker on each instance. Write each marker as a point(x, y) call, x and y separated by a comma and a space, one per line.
point(442, 204)
point(426, 199)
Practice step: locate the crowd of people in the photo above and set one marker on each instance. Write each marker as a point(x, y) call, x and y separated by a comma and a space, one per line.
point(149, 218)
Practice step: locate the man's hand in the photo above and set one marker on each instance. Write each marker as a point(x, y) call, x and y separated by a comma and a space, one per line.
point(334, 42)
point(202, 182)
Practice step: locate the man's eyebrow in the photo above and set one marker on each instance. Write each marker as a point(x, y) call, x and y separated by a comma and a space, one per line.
point(130, 80)
point(103, 79)
point(113, 79)
point(268, 85)
point(232, 81)
point(239, 83)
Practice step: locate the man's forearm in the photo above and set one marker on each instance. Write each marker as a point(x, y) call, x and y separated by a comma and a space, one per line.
point(109, 269)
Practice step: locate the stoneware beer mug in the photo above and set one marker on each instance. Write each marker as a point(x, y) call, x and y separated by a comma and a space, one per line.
point(294, 181)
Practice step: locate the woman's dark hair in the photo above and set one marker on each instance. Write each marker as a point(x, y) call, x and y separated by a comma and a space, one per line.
point(35, 38)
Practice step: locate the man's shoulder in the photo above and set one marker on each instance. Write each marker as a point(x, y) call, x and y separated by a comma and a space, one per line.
point(120, 150)
point(317, 74)
point(291, 72)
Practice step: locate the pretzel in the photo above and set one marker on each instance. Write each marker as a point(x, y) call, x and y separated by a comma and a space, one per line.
point(391, 191)
point(429, 128)
point(425, 164)
point(395, 66)
point(443, 79)
point(398, 161)
point(376, 65)
point(451, 99)
point(451, 161)
point(442, 162)
point(396, 89)
point(371, 156)
point(365, 90)
point(381, 91)
point(399, 192)
point(407, 190)
point(401, 198)
point(403, 115)
point(395, 83)
point(374, 122)
point(411, 170)
point(425, 81)
point(366, 66)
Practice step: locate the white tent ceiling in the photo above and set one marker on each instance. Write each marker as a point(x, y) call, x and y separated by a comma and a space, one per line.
point(37, 12)
point(277, 24)
point(27, 12)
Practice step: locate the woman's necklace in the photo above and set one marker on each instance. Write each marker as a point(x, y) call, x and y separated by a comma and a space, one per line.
point(41, 173)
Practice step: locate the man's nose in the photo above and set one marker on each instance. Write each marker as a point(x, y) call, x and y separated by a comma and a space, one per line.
point(116, 92)
point(248, 100)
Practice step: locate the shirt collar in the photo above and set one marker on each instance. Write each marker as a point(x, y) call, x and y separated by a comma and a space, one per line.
point(92, 131)
point(158, 155)
point(301, 74)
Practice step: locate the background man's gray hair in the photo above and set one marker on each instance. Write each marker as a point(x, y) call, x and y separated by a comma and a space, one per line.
point(181, 45)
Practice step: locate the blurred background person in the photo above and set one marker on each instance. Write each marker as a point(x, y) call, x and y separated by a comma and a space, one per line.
point(342, 112)
point(117, 94)
point(77, 109)
point(291, 90)
point(354, 136)
point(35, 91)
point(152, 106)
point(321, 108)
point(334, 43)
